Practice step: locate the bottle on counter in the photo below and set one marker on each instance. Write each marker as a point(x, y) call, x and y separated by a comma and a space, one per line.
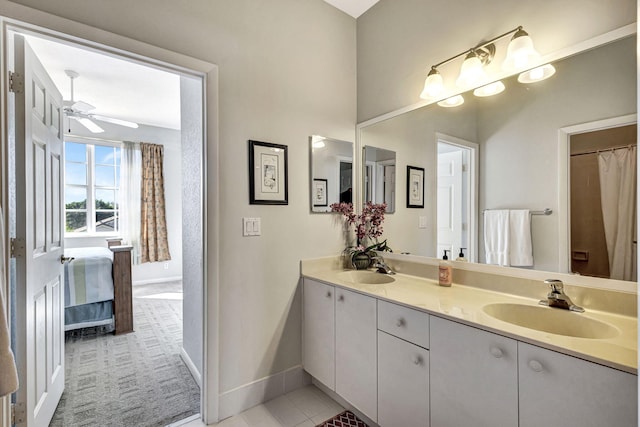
point(461, 256)
point(445, 271)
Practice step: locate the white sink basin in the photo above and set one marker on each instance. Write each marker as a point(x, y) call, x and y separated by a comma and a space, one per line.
point(553, 320)
point(365, 277)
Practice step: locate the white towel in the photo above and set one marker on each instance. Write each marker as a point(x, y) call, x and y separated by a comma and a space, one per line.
point(496, 236)
point(8, 374)
point(520, 247)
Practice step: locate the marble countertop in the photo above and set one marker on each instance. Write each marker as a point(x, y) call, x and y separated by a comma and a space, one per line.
point(464, 304)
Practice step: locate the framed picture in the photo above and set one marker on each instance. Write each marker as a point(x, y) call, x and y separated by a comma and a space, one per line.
point(415, 187)
point(267, 174)
point(319, 192)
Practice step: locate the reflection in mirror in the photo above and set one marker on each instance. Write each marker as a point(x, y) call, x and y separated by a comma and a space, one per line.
point(520, 160)
point(379, 176)
point(331, 172)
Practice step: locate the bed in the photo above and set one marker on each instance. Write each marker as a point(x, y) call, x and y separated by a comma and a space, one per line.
point(97, 287)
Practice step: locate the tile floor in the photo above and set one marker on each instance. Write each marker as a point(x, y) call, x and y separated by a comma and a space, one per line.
point(305, 407)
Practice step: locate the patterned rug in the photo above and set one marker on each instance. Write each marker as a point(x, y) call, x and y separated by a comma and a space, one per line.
point(345, 419)
point(136, 379)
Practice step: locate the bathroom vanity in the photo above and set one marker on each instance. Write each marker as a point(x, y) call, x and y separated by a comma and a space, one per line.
point(404, 351)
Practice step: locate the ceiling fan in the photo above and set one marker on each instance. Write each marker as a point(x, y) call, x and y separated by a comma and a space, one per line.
point(81, 111)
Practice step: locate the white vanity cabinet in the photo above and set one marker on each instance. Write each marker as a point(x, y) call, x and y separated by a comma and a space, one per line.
point(318, 351)
point(356, 351)
point(403, 366)
point(473, 375)
point(340, 343)
point(560, 390)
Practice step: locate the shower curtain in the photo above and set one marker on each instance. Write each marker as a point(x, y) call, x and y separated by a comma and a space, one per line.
point(617, 170)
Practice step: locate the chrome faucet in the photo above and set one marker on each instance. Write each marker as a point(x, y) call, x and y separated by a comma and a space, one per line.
point(381, 266)
point(557, 297)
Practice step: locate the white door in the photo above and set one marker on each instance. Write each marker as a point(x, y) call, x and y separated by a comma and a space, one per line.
point(37, 108)
point(450, 203)
point(390, 187)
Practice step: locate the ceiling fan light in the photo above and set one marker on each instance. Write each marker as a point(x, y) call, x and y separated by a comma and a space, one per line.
point(433, 85)
point(89, 125)
point(537, 74)
point(453, 101)
point(471, 72)
point(490, 89)
point(520, 52)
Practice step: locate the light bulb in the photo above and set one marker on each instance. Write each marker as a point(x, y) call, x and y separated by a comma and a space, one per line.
point(490, 89)
point(520, 52)
point(471, 72)
point(537, 74)
point(453, 101)
point(433, 85)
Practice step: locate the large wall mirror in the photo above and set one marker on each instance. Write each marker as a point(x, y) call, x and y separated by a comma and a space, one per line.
point(331, 172)
point(521, 159)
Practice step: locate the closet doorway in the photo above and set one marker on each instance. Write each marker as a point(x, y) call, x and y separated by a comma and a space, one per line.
point(190, 150)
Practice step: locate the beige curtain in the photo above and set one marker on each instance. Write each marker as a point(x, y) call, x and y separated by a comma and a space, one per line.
point(153, 224)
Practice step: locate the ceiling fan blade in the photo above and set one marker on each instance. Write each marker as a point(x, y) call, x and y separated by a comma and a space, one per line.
point(115, 121)
point(83, 107)
point(94, 128)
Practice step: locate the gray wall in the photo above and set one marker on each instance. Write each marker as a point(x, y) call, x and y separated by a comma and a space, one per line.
point(399, 40)
point(287, 70)
point(192, 214)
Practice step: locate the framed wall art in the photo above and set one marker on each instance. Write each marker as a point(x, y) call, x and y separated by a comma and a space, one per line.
point(268, 173)
point(319, 192)
point(415, 187)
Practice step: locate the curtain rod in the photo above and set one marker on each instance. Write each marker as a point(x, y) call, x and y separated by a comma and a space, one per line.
point(603, 150)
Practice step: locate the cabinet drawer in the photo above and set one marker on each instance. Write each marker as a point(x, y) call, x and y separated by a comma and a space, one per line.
point(402, 322)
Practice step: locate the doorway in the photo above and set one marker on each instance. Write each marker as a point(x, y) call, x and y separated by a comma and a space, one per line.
point(456, 197)
point(193, 86)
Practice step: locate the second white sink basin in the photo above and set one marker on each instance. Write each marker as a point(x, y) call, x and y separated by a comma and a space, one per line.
point(553, 320)
point(365, 277)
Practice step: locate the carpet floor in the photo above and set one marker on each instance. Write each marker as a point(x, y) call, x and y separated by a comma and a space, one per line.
point(136, 379)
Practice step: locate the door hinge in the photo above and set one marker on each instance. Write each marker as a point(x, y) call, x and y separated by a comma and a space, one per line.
point(16, 82)
point(17, 247)
point(464, 167)
point(17, 413)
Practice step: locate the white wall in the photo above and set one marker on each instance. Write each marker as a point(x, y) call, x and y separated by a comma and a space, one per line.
point(399, 40)
point(287, 70)
point(170, 139)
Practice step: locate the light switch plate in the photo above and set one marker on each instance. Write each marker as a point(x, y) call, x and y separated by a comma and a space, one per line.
point(251, 227)
point(422, 221)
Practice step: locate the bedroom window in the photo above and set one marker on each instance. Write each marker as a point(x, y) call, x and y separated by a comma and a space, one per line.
point(92, 180)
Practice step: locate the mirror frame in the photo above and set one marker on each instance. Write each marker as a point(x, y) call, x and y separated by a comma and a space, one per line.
point(563, 206)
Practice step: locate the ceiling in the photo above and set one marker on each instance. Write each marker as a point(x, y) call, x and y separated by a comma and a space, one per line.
point(354, 8)
point(126, 90)
point(117, 88)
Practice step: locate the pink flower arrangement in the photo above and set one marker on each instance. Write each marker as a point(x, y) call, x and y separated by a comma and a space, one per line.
point(367, 225)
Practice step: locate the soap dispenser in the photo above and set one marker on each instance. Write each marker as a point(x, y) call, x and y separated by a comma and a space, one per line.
point(461, 256)
point(444, 270)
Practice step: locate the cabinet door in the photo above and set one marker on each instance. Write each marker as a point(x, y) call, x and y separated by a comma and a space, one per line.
point(319, 332)
point(474, 376)
point(356, 351)
point(403, 382)
point(560, 390)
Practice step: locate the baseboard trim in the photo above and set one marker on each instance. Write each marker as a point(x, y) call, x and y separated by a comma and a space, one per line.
point(240, 399)
point(192, 367)
point(160, 280)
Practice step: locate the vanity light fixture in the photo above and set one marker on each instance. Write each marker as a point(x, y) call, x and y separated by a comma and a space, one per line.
point(520, 52)
point(490, 89)
point(520, 55)
point(537, 74)
point(453, 101)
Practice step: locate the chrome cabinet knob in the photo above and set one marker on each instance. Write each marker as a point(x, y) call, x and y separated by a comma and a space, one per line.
point(496, 352)
point(417, 360)
point(400, 322)
point(328, 294)
point(535, 366)
point(341, 298)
